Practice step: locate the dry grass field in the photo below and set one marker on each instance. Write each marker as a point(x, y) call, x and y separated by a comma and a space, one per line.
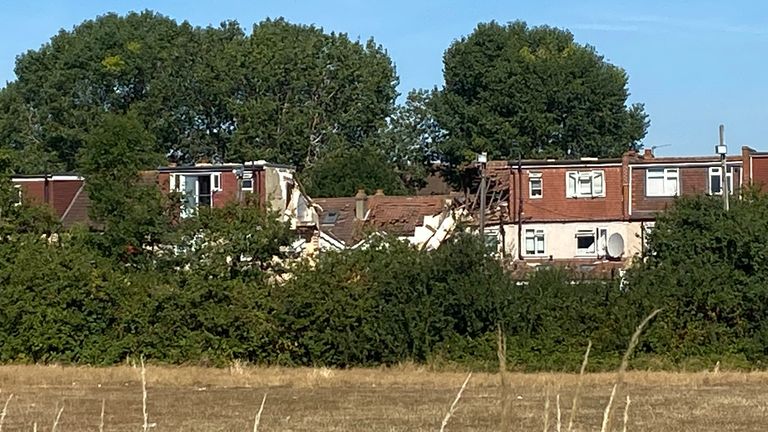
point(398, 399)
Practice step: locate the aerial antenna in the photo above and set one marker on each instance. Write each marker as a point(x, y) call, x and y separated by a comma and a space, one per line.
point(653, 148)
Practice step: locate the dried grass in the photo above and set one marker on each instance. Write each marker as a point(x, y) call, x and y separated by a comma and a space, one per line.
point(101, 418)
point(257, 419)
point(575, 405)
point(144, 396)
point(607, 413)
point(626, 415)
point(455, 402)
point(5, 411)
point(56, 420)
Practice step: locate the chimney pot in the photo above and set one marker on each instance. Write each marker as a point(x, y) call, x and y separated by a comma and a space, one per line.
point(360, 199)
point(648, 153)
point(379, 192)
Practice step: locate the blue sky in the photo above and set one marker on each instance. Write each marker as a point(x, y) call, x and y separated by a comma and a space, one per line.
point(694, 64)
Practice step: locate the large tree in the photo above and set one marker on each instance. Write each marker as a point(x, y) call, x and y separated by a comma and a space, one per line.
point(514, 90)
point(286, 93)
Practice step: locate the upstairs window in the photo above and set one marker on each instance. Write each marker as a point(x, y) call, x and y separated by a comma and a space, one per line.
point(715, 181)
point(534, 242)
point(585, 184)
point(662, 182)
point(535, 185)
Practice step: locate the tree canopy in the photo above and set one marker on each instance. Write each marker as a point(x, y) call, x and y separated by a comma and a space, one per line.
point(513, 90)
point(287, 93)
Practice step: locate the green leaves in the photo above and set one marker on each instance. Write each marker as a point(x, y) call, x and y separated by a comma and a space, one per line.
point(287, 93)
point(708, 269)
point(513, 90)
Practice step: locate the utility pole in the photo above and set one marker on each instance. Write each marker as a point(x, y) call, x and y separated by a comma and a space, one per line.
point(482, 158)
point(722, 150)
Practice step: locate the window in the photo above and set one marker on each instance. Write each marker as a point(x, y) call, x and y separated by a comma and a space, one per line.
point(534, 242)
point(586, 243)
point(715, 181)
point(602, 241)
point(248, 182)
point(662, 182)
point(582, 184)
point(535, 185)
point(330, 218)
point(492, 240)
point(216, 181)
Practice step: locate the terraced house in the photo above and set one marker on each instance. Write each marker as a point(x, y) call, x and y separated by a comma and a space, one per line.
point(593, 214)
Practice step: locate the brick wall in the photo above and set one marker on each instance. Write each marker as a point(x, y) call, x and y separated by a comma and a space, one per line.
point(760, 171)
point(693, 180)
point(554, 205)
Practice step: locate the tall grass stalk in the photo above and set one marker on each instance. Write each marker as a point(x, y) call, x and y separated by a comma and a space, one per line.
point(575, 404)
point(633, 344)
point(546, 411)
point(101, 421)
point(607, 413)
point(144, 395)
point(559, 416)
point(506, 397)
point(5, 411)
point(455, 402)
point(626, 415)
point(257, 419)
point(625, 361)
point(56, 421)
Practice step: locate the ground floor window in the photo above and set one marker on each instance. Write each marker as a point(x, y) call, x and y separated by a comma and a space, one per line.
point(534, 242)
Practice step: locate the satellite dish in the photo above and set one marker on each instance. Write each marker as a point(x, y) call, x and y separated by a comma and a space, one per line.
point(615, 245)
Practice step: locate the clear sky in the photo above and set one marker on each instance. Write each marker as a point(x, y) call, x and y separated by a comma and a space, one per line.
point(694, 64)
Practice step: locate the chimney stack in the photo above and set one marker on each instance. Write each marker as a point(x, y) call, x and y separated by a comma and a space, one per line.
point(360, 199)
point(648, 153)
point(379, 192)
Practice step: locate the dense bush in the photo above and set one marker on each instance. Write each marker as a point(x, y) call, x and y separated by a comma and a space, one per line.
point(227, 290)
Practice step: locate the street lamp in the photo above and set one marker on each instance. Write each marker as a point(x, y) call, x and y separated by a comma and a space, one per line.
point(722, 150)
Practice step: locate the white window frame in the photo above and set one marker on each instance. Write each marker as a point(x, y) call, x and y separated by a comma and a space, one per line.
point(492, 234)
point(535, 177)
point(575, 179)
point(535, 234)
point(589, 251)
point(667, 176)
point(717, 171)
point(247, 176)
point(216, 182)
point(19, 195)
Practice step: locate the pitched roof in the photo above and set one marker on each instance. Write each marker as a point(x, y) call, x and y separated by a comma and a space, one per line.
point(344, 228)
point(400, 215)
point(396, 215)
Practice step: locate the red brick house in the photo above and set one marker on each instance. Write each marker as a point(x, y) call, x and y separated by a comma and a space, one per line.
point(594, 213)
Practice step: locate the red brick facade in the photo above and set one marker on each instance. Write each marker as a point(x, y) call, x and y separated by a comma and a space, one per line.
point(626, 196)
point(554, 203)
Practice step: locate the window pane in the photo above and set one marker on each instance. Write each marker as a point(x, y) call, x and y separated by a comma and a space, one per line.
point(585, 185)
point(529, 245)
point(714, 183)
point(536, 187)
point(598, 183)
point(671, 187)
point(586, 243)
point(571, 184)
point(540, 244)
